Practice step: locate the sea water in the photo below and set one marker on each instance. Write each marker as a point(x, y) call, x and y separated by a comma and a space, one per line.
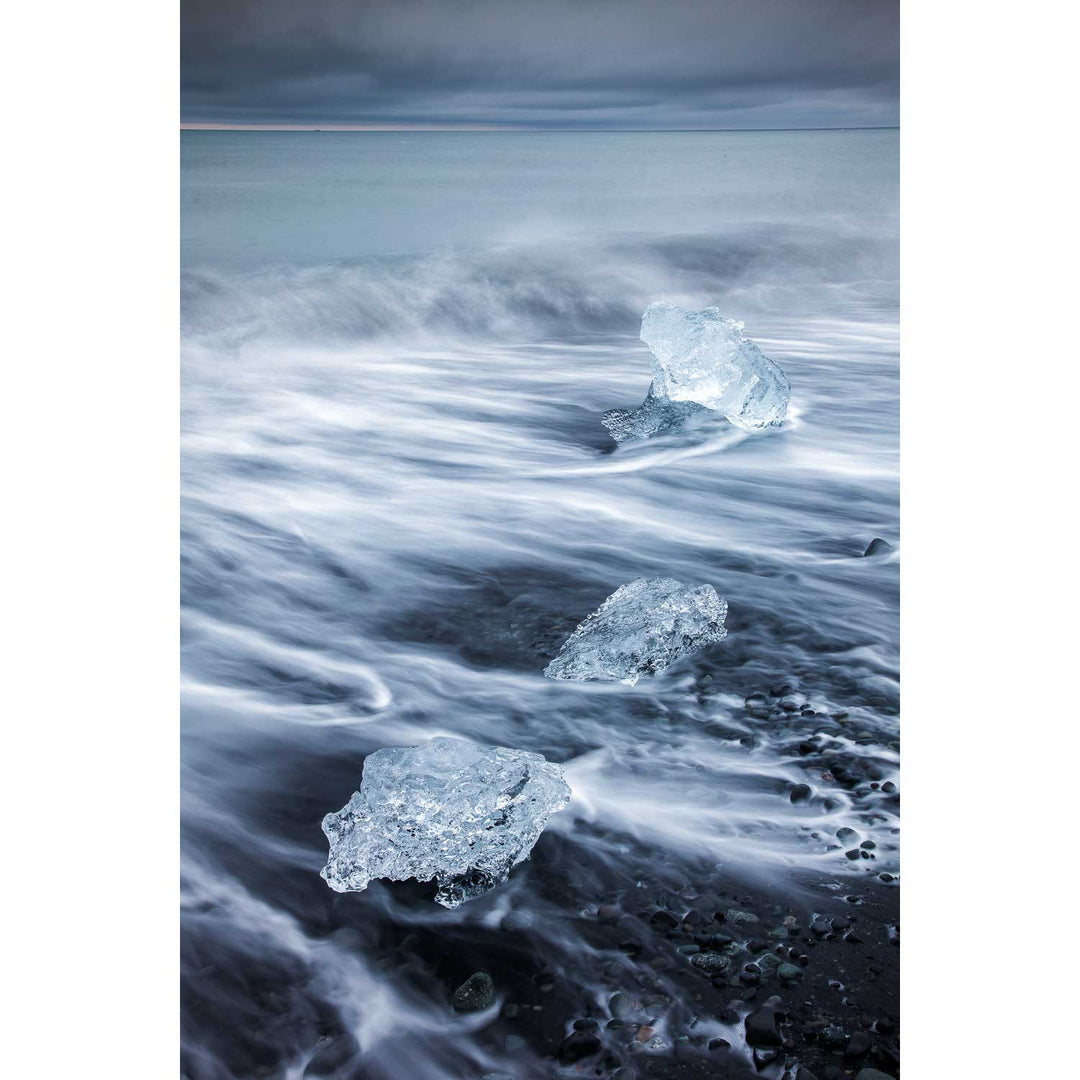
point(398, 501)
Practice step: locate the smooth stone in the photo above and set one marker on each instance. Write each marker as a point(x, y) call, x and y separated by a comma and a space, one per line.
point(734, 915)
point(858, 1045)
point(578, 1045)
point(711, 963)
point(833, 1036)
point(761, 1028)
point(517, 921)
point(476, 993)
point(877, 546)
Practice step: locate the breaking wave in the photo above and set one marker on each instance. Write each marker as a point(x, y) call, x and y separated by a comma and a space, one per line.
point(514, 291)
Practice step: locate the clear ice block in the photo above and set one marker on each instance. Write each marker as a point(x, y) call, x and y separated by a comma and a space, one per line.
point(640, 629)
point(449, 810)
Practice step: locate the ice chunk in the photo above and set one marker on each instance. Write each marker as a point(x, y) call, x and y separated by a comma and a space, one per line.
point(640, 629)
point(702, 357)
point(450, 810)
point(654, 416)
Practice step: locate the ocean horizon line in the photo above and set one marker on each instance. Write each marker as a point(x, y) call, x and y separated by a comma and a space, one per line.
point(496, 129)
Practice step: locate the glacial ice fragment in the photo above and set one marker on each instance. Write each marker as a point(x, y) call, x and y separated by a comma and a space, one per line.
point(699, 356)
point(654, 416)
point(449, 810)
point(640, 629)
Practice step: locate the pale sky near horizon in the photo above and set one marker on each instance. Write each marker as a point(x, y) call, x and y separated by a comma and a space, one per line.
point(564, 64)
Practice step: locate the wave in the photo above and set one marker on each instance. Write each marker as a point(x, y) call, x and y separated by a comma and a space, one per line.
point(531, 290)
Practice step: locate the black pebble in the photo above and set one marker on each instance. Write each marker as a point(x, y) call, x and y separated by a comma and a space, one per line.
point(761, 1028)
point(858, 1045)
point(475, 993)
point(711, 963)
point(578, 1045)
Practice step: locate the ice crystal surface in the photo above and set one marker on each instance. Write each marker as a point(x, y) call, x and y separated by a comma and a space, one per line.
point(699, 356)
point(654, 416)
point(450, 810)
point(640, 629)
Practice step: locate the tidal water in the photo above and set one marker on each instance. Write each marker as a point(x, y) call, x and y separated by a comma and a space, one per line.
point(398, 500)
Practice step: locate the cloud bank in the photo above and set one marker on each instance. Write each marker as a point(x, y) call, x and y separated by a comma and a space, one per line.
point(541, 64)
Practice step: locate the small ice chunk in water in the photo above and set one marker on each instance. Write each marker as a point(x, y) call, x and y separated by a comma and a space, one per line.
point(654, 416)
point(699, 356)
point(450, 810)
point(640, 629)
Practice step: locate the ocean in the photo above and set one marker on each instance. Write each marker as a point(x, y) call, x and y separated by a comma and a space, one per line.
point(398, 500)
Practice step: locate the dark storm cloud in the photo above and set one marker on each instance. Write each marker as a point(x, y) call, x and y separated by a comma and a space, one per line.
point(550, 63)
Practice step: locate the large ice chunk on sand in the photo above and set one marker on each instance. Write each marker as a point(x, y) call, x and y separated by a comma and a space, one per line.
point(702, 357)
point(450, 810)
point(654, 416)
point(640, 629)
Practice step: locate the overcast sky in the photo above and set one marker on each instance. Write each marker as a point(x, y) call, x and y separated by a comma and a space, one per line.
point(541, 63)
